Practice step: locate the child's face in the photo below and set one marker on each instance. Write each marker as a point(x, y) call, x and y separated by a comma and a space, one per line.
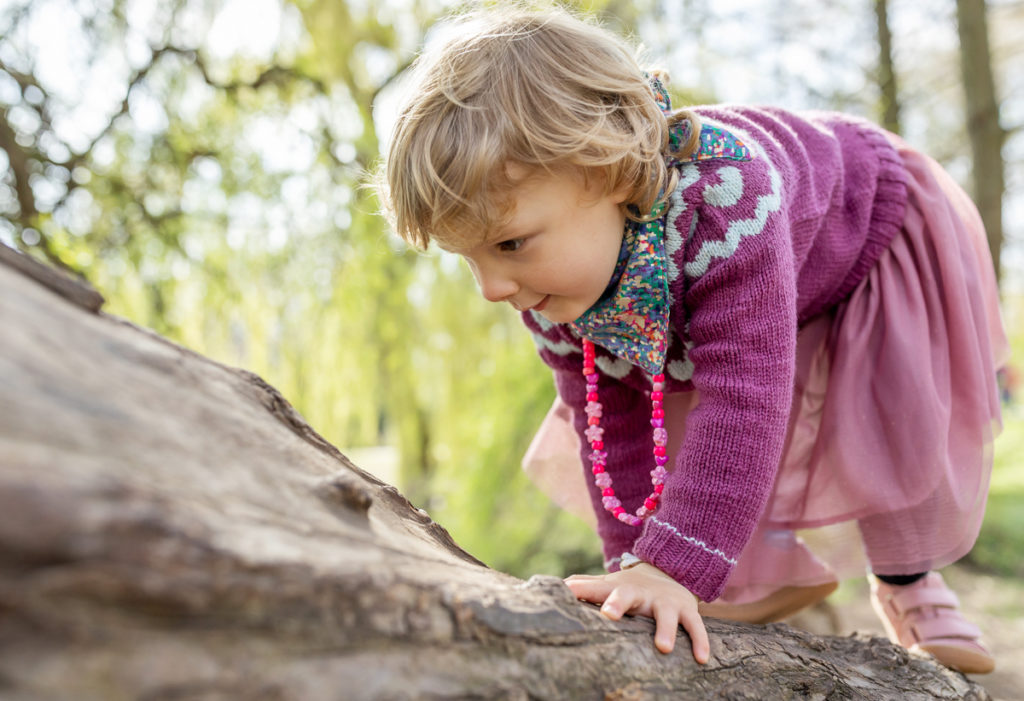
point(557, 252)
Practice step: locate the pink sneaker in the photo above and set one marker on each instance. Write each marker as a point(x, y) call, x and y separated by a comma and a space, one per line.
point(925, 616)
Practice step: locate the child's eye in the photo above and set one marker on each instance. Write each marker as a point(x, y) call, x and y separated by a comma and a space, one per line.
point(510, 246)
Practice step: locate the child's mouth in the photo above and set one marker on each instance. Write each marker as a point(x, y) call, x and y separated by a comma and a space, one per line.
point(539, 306)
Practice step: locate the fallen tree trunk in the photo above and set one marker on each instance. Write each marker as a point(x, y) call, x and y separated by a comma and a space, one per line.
point(171, 528)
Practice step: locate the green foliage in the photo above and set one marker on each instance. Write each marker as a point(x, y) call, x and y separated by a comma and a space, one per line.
point(1001, 541)
point(235, 220)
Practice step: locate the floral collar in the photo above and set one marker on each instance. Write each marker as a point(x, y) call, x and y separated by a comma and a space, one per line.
point(631, 319)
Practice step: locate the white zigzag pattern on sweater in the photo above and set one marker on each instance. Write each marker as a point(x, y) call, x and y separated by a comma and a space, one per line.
point(558, 348)
point(614, 367)
point(766, 204)
point(542, 322)
point(693, 541)
point(689, 174)
point(729, 191)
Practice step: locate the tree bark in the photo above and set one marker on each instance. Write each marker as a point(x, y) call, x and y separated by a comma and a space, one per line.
point(171, 528)
point(983, 126)
point(890, 107)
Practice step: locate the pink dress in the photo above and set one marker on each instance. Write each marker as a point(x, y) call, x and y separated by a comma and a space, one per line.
point(907, 364)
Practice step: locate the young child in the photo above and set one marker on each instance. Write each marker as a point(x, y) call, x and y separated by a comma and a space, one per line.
point(758, 321)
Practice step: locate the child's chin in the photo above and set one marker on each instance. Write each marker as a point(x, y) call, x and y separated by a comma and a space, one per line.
point(556, 317)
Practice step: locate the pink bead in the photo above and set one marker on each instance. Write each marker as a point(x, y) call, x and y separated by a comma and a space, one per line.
point(658, 414)
point(592, 378)
point(618, 510)
point(591, 396)
point(660, 377)
point(658, 386)
point(597, 445)
point(597, 469)
point(661, 459)
point(657, 396)
point(658, 423)
point(594, 420)
point(659, 450)
point(608, 492)
point(659, 488)
point(650, 503)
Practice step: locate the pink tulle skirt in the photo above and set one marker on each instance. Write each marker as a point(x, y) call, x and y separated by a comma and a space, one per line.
point(895, 410)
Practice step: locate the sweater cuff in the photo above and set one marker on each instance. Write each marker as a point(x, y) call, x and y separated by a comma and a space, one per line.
point(698, 566)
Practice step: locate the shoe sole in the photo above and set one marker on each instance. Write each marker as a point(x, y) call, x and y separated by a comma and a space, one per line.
point(776, 606)
point(963, 659)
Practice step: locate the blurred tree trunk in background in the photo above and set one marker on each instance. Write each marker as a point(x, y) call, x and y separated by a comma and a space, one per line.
point(889, 92)
point(983, 125)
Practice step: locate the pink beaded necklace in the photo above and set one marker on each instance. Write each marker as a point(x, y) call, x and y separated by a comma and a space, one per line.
point(598, 455)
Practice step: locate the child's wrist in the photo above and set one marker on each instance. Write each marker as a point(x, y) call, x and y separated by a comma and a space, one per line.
point(629, 560)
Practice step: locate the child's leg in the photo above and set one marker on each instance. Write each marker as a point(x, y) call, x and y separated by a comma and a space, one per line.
point(917, 609)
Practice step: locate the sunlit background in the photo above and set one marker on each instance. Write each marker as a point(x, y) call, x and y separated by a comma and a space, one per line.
point(202, 163)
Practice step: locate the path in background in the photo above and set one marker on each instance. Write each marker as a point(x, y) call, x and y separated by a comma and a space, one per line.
point(994, 603)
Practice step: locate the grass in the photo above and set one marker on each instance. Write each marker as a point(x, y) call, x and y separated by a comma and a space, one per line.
point(1000, 546)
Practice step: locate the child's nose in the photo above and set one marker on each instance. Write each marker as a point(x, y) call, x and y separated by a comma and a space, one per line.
point(494, 286)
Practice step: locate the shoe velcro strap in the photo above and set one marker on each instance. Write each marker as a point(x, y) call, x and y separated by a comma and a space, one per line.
point(902, 602)
point(929, 629)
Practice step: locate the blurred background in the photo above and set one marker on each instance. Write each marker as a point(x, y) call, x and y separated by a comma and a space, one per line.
point(203, 162)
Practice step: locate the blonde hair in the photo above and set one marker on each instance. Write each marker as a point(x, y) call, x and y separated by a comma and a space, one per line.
point(543, 90)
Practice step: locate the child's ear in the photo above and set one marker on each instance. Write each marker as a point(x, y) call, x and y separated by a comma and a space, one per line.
point(596, 181)
point(621, 194)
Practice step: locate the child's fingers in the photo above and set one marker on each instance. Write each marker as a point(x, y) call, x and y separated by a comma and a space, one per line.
point(666, 626)
point(694, 625)
point(620, 601)
point(593, 589)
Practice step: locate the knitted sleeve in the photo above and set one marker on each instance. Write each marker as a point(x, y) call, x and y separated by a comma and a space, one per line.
point(738, 287)
point(626, 418)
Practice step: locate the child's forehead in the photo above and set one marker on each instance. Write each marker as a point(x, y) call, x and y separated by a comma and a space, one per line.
point(502, 210)
point(495, 211)
point(466, 241)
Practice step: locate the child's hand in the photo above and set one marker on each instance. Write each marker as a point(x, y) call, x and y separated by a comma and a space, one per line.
point(647, 591)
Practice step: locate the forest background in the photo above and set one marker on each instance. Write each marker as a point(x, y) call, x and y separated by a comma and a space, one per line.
point(202, 163)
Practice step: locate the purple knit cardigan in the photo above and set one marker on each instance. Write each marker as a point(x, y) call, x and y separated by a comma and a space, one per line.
point(753, 250)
